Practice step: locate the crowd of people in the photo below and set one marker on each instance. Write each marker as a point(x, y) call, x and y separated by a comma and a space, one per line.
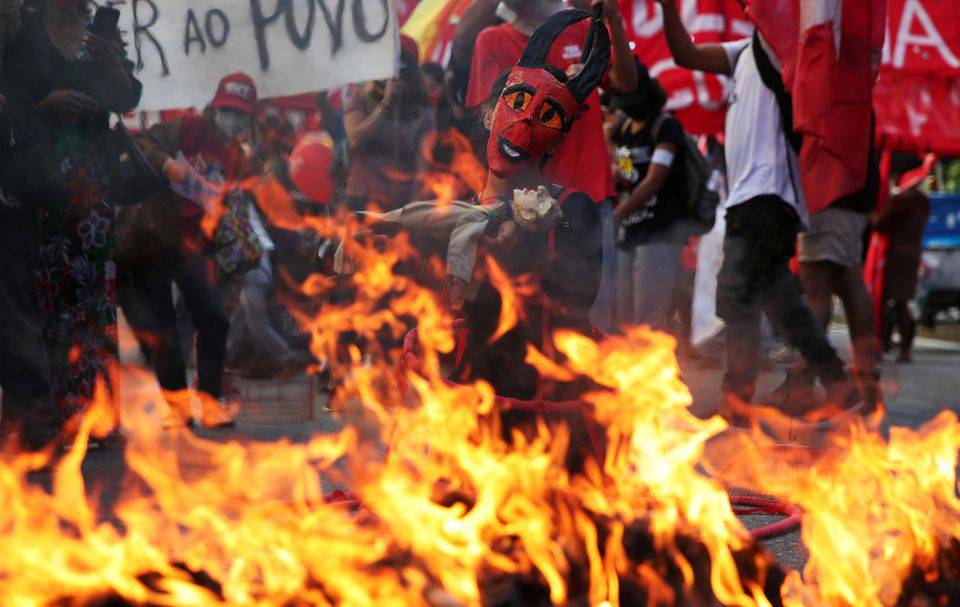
point(93, 217)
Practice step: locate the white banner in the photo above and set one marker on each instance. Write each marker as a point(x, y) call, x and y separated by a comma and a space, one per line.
point(182, 48)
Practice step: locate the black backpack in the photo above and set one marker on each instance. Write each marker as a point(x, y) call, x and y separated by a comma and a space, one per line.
point(702, 199)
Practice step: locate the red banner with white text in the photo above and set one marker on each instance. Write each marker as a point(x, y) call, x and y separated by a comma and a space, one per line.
point(697, 99)
point(917, 98)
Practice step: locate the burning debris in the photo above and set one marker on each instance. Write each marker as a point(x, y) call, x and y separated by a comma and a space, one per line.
point(462, 513)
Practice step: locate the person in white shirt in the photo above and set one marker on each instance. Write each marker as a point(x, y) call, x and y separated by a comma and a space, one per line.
point(765, 209)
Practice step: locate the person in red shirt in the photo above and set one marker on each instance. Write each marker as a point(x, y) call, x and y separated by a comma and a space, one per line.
point(199, 155)
point(583, 162)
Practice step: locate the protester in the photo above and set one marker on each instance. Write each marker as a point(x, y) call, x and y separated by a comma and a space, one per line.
point(529, 226)
point(830, 254)
point(71, 80)
point(902, 220)
point(765, 209)
point(273, 253)
point(386, 124)
point(583, 164)
point(28, 419)
point(652, 212)
point(198, 155)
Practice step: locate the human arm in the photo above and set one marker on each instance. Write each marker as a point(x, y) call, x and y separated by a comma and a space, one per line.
point(622, 77)
point(117, 88)
point(885, 218)
point(650, 185)
point(331, 119)
point(704, 57)
point(361, 126)
point(487, 65)
point(477, 17)
point(160, 143)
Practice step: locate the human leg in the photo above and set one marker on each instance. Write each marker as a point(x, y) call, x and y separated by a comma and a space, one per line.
point(656, 268)
point(858, 308)
point(147, 302)
point(739, 310)
point(819, 282)
point(765, 230)
point(907, 327)
point(625, 288)
point(602, 313)
point(195, 277)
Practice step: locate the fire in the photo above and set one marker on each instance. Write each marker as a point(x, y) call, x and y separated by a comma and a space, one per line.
point(466, 510)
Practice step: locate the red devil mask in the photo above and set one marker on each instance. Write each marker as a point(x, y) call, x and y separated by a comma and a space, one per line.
point(538, 104)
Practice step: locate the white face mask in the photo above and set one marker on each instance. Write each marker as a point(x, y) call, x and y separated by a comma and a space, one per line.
point(232, 123)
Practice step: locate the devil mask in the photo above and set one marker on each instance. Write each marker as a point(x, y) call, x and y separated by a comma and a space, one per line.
point(538, 105)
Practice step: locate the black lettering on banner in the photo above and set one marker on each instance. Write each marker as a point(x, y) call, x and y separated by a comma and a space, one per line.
point(360, 21)
point(260, 24)
point(213, 15)
point(334, 24)
point(141, 27)
point(192, 34)
point(301, 41)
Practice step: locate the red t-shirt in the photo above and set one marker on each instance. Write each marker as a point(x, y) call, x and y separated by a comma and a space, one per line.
point(583, 161)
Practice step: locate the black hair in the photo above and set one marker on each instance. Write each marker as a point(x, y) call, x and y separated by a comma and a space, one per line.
point(434, 70)
point(498, 85)
point(646, 101)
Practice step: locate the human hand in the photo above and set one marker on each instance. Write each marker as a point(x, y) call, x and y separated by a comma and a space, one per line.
point(68, 103)
point(190, 184)
point(507, 236)
point(611, 8)
point(103, 50)
point(391, 93)
point(574, 70)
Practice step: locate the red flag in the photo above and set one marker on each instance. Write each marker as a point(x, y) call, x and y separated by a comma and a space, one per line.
point(825, 49)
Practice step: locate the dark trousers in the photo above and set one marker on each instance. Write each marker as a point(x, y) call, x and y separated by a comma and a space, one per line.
point(755, 278)
point(146, 298)
point(28, 403)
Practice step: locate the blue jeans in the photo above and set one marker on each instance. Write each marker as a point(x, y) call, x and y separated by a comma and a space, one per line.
point(602, 313)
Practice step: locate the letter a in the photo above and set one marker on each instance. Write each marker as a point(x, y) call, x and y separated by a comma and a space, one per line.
point(913, 9)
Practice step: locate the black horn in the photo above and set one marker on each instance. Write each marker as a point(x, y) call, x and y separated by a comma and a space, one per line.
point(538, 48)
point(596, 65)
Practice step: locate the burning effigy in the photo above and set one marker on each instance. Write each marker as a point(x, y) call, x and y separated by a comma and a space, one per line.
point(564, 467)
point(458, 515)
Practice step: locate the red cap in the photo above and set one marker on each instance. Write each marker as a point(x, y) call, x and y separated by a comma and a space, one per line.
point(236, 91)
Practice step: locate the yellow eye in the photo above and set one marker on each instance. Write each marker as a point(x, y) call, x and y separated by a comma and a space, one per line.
point(550, 117)
point(518, 100)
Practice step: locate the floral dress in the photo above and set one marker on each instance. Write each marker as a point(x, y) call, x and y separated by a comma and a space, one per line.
point(76, 276)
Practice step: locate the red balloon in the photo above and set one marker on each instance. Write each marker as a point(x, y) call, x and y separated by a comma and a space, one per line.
point(310, 167)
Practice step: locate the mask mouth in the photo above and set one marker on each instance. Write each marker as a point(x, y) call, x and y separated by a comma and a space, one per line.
point(511, 152)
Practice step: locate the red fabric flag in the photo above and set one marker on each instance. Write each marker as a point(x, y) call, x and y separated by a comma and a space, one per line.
point(825, 49)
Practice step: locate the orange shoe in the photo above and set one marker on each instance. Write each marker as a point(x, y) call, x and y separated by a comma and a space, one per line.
point(214, 414)
point(180, 414)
